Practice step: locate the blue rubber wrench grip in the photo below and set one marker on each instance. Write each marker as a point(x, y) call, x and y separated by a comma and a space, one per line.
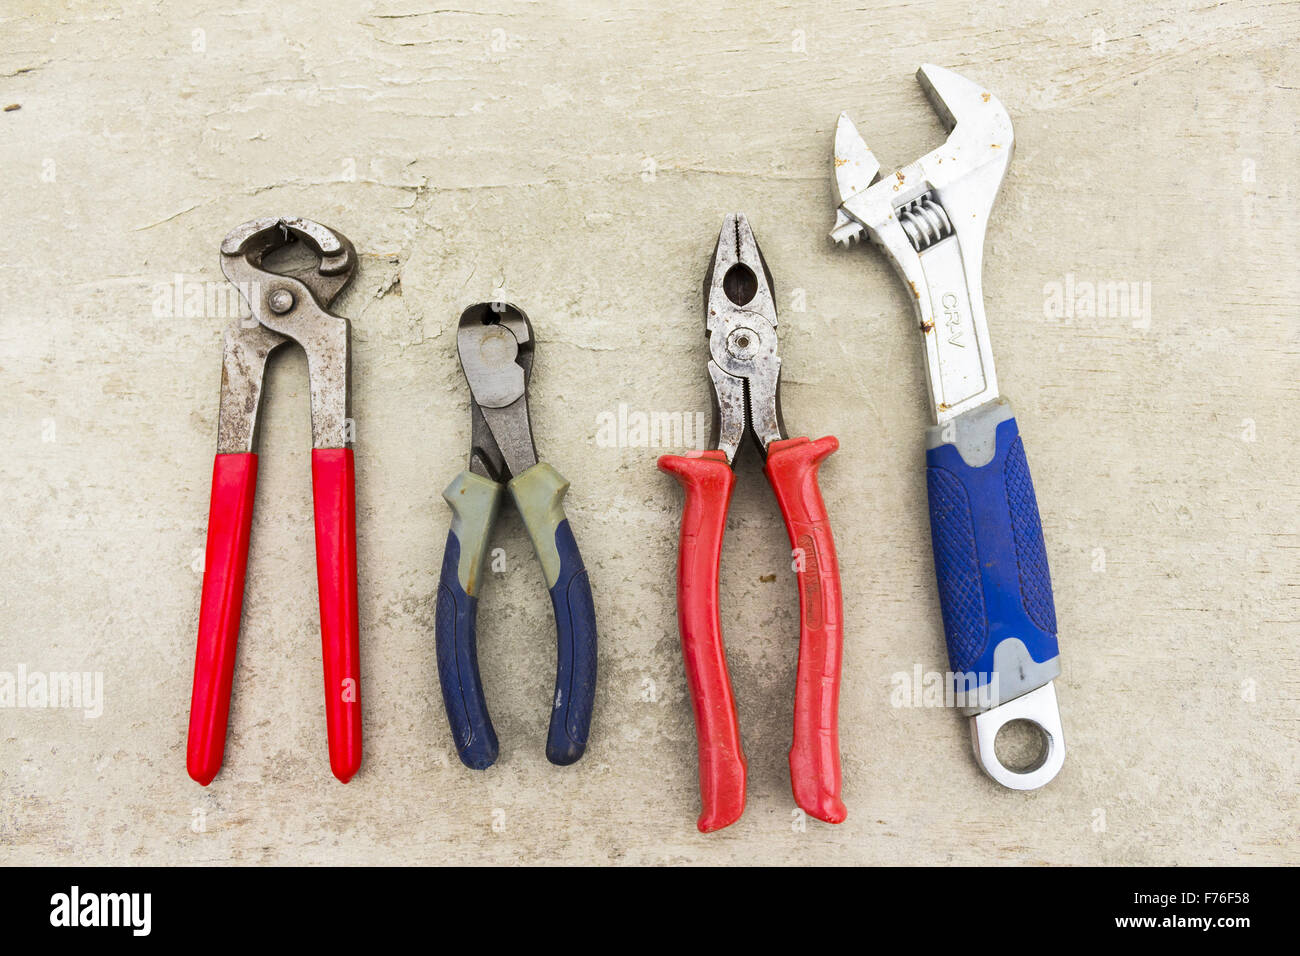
point(995, 590)
point(539, 493)
point(474, 503)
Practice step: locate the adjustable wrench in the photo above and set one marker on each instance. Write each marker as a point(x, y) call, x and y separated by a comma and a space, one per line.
point(994, 588)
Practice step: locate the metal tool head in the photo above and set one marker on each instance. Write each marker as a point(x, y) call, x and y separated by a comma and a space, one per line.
point(966, 170)
point(246, 246)
point(740, 322)
point(291, 305)
point(930, 217)
point(495, 343)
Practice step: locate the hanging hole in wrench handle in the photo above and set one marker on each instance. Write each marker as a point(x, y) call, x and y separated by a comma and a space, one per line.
point(538, 493)
point(815, 752)
point(333, 483)
point(708, 481)
point(230, 517)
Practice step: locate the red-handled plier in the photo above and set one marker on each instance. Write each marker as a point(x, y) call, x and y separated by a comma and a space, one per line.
point(740, 322)
point(293, 306)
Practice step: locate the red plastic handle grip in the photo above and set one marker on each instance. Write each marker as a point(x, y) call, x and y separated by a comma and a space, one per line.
point(708, 482)
point(333, 484)
point(815, 753)
point(230, 515)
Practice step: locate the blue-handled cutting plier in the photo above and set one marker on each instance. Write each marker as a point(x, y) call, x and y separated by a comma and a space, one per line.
point(495, 342)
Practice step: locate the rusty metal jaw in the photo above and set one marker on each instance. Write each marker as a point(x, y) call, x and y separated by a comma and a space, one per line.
point(741, 326)
point(746, 398)
point(291, 306)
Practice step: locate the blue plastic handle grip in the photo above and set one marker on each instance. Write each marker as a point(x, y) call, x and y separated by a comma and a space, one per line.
point(575, 668)
point(462, 688)
point(991, 565)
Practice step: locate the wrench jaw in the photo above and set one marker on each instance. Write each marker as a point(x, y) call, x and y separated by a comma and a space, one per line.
point(966, 109)
point(965, 173)
point(856, 171)
point(930, 217)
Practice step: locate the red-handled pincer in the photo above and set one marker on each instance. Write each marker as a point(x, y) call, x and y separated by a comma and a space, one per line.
point(290, 306)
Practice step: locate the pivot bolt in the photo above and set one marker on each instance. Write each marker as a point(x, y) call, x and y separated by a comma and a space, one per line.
point(743, 344)
point(281, 301)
